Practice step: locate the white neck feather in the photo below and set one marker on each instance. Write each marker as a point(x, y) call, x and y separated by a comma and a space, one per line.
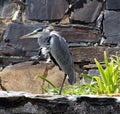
point(54, 33)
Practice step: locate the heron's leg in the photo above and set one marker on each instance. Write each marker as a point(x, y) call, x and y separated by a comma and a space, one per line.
point(39, 52)
point(36, 58)
point(62, 84)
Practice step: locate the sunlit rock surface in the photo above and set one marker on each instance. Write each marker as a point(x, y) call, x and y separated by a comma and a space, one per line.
point(25, 76)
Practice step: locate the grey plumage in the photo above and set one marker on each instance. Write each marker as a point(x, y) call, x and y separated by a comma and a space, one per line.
point(59, 51)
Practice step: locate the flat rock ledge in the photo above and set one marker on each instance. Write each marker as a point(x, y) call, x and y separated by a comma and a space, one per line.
point(26, 103)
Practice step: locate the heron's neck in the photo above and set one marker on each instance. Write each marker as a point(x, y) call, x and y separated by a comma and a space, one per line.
point(54, 33)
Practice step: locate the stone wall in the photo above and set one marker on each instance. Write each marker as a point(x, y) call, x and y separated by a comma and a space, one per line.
point(89, 26)
point(25, 103)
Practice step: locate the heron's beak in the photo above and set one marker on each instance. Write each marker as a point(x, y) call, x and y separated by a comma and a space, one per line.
point(33, 34)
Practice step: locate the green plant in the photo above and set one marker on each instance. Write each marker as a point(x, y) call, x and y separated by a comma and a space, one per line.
point(75, 89)
point(109, 80)
point(52, 88)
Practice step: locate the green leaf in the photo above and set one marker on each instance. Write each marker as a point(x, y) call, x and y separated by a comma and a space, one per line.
point(105, 59)
point(50, 83)
point(101, 70)
point(93, 88)
point(86, 76)
point(44, 89)
point(100, 84)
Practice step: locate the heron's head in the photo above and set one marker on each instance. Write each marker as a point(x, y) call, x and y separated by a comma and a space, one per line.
point(38, 33)
point(33, 34)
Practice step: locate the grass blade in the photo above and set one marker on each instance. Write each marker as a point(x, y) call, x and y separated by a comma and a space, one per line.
point(106, 59)
point(101, 70)
point(50, 83)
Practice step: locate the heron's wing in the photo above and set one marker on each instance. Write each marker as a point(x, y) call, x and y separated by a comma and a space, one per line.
point(61, 54)
point(53, 59)
point(60, 51)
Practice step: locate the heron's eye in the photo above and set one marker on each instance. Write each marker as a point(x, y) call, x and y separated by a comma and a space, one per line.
point(39, 29)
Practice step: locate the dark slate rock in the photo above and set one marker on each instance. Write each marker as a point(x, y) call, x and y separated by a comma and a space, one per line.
point(3, 3)
point(18, 49)
point(14, 31)
point(8, 49)
point(113, 4)
point(9, 10)
point(113, 51)
point(46, 9)
point(5, 60)
point(79, 34)
point(86, 10)
point(93, 72)
point(111, 27)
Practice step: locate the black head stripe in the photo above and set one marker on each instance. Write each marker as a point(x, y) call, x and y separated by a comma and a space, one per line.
point(48, 39)
point(39, 29)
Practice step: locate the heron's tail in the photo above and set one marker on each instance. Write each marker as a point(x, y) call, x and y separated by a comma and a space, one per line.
point(72, 77)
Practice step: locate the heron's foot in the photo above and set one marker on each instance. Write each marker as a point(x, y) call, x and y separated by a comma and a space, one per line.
point(35, 62)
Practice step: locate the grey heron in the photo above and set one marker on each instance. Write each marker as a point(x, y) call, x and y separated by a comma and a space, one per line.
point(54, 46)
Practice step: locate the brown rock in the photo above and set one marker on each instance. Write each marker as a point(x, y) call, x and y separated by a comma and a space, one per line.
point(87, 54)
point(79, 33)
point(55, 76)
point(2, 28)
point(24, 77)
